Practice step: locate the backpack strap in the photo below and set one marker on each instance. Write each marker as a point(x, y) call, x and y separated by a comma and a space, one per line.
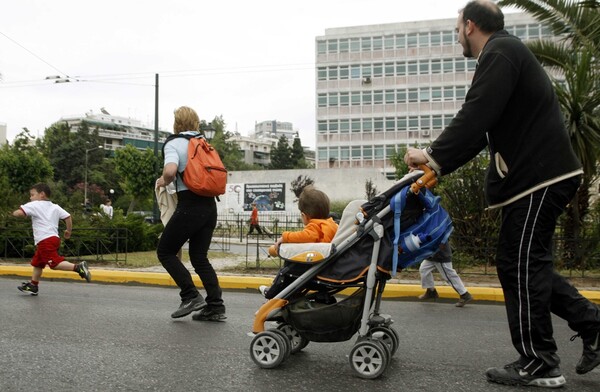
point(397, 204)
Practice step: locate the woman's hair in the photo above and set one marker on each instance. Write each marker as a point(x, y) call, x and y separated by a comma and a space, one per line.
point(41, 187)
point(485, 14)
point(314, 203)
point(186, 119)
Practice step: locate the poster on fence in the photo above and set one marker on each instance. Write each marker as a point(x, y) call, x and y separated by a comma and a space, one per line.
point(268, 197)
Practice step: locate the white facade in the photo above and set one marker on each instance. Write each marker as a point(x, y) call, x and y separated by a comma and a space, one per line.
point(2, 134)
point(381, 87)
point(275, 130)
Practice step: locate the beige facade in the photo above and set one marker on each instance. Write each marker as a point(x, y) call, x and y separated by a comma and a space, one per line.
point(382, 87)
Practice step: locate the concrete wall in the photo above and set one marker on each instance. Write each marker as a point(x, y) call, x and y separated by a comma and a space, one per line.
point(339, 184)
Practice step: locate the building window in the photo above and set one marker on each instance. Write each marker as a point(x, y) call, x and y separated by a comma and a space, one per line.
point(388, 42)
point(423, 67)
point(355, 98)
point(378, 152)
point(448, 93)
point(437, 121)
point(411, 40)
point(355, 153)
point(436, 94)
point(355, 45)
point(436, 66)
point(366, 70)
point(471, 64)
point(413, 95)
point(333, 73)
point(390, 124)
point(322, 126)
point(377, 43)
point(367, 152)
point(412, 67)
point(322, 100)
point(436, 38)
point(344, 99)
point(344, 153)
point(423, 40)
point(424, 94)
point(334, 153)
point(365, 44)
point(344, 126)
point(321, 47)
point(401, 123)
point(377, 97)
point(344, 47)
point(448, 37)
point(344, 72)
point(461, 91)
point(378, 124)
point(367, 98)
point(377, 70)
point(322, 153)
point(355, 71)
point(356, 125)
point(332, 46)
point(413, 122)
point(333, 126)
point(400, 41)
point(322, 73)
point(460, 65)
point(333, 99)
point(448, 65)
point(401, 68)
point(521, 31)
point(389, 69)
point(401, 96)
point(390, 150)
point(390, 96)
point(367, 124)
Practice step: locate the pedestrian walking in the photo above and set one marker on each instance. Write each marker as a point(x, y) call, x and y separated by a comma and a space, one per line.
point(194, 220)
point(511, 108)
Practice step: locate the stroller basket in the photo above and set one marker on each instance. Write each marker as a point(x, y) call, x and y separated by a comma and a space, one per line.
point(319, 322)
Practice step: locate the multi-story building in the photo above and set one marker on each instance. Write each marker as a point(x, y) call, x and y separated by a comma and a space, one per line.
point(275, 130)
point(116, 131)
point(2, 134)
point(380, 87)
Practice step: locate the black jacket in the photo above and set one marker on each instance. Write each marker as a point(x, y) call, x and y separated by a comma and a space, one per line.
point(512, 108)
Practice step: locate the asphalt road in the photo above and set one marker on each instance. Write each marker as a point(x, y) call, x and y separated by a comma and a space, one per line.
point(94, 337)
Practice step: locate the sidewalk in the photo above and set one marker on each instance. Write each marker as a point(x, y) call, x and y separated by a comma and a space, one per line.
point(157, 276)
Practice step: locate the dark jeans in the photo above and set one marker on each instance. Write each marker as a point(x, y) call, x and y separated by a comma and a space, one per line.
point(532, 289)
point(194, 219)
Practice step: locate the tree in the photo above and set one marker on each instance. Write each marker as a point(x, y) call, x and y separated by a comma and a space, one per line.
point(297, 155)
point(281, 155)
point(23, 165)
point(299, 184)
point(370, 190)
point(136, 169)
point(229, 151)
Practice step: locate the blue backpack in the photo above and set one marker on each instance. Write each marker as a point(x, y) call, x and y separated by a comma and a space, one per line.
point(420, 240)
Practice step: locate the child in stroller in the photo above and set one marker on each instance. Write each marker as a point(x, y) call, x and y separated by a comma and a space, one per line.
point(394, 230)
point(318, 227)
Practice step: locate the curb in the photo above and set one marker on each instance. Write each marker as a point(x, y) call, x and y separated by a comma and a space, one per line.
point(392, 290)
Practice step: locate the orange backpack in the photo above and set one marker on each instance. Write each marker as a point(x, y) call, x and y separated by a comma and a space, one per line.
point(204, 173)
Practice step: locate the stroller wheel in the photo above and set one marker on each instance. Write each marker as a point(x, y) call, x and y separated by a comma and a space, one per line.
point(389, 338)
point(369, 358)
point(268, 349)
point(298, 342)
point(286, 341)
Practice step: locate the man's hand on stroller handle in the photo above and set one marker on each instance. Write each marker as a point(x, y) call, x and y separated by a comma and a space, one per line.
point(427, 180)
point(414, 157)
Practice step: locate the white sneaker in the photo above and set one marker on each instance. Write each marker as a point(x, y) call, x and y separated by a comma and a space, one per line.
point(263, 289)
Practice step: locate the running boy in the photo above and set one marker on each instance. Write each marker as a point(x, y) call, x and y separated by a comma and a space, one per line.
point(45, 217)
point(318, 227)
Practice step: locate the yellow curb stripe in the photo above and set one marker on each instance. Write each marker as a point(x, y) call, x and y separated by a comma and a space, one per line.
point(392, 290)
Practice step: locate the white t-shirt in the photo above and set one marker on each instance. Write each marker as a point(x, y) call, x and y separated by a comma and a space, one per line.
point(108, 210)
point(176, 152)
point(45, 216)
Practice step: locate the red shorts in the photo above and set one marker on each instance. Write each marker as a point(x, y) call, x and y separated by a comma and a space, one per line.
point(46, 253)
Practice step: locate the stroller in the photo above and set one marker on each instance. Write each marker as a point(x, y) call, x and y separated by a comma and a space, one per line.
point(341, 291)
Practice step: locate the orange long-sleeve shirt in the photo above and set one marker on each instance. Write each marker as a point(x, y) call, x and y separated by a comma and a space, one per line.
point(317, 230)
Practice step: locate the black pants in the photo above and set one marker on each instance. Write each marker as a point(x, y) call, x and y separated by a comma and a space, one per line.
point(532, 288)
point(286, 275)
point(194, 219)
point(257, 227)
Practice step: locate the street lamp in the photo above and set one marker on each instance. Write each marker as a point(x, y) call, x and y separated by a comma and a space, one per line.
point(208, 131)
point(85, 182)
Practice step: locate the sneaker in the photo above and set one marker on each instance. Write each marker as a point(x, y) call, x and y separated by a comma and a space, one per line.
point(84, 271)
point(189, 306)
point(28, 287)
point(464, 299)
point(263, 290)
point(210, 314)
point(429, 294)
point(513, 374)
point(591, 353)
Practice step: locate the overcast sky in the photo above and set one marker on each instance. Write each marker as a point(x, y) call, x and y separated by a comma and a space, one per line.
point(248, 61)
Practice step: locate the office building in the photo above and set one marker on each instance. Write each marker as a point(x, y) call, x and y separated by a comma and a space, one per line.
point(381, 87)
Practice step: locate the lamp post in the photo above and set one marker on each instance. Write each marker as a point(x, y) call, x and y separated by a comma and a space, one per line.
point(208, 131)
point(155, 213)
point(85, 183)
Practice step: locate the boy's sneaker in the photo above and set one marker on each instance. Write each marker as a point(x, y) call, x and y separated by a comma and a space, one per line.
point(591, 352)
point(429, 294)
point(263, 290)
point(513, 374)
point(464, 299)
point(189, 306)
point(28, 287)
point(210, 314)
point(84, 271)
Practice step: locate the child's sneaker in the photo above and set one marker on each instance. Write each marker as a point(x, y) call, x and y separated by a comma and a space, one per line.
point(84, 271)
point(28, 287)
point(210, 314)
point(464, 299)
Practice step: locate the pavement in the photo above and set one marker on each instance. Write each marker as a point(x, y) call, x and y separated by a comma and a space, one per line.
point(158, 277)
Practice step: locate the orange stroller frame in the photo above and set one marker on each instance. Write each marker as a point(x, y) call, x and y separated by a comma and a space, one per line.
point(307, 310)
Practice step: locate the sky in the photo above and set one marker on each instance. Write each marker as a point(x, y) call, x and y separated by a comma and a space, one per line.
point(247, 61)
